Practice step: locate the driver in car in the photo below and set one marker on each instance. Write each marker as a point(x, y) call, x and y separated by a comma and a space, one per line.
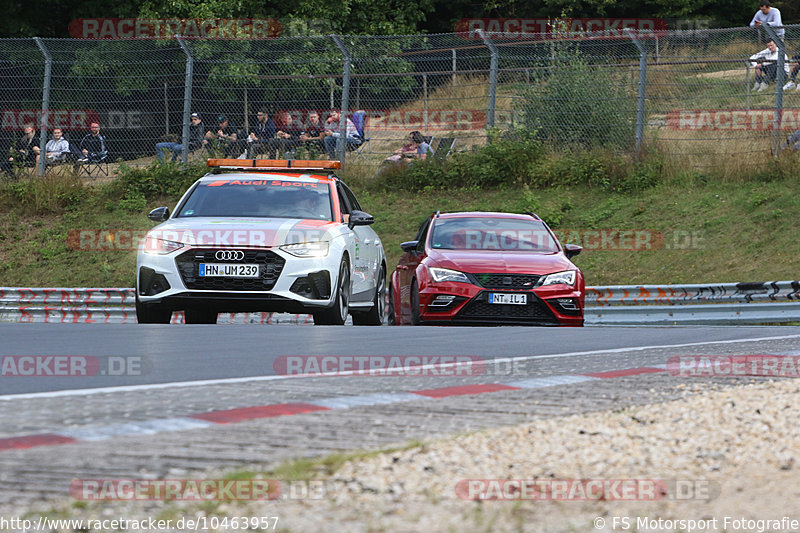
point(308, 204)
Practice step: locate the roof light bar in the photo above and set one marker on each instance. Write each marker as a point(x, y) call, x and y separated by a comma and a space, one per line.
point(274, 164)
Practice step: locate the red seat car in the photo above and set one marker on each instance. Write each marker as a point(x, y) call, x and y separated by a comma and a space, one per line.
point(486, 268)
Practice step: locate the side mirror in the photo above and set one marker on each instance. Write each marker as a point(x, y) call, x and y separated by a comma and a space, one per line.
point(159, 214)
point(359, 218)
point(572, 250)
point(410, 246)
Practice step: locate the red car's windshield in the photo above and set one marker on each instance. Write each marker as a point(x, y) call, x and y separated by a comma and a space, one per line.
point(492, 233)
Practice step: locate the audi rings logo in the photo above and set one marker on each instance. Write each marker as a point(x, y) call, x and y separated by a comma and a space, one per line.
point(229, 255)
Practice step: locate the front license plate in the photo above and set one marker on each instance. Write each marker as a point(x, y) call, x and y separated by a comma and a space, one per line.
point(504, 298)
point(228, 270)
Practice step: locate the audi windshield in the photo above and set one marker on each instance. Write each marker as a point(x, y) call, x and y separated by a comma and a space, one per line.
point(262, 198)
point(493, 234)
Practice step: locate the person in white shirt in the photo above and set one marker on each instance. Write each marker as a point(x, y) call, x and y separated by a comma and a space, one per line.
point(769, 16)
point(57, 148)
point(766, 64)
point(332, 133)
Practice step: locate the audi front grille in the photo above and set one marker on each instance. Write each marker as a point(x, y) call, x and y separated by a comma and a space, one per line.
point(269, 264)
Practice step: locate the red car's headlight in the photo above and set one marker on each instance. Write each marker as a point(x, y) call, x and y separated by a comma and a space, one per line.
point(567, 277)
point(439, 275)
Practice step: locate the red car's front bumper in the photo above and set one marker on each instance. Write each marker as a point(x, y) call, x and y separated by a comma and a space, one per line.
point(550, 305)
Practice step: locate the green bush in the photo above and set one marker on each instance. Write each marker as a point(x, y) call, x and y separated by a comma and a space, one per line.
point(573, 103)
point(154, 181)
point(39, 196)
point(523, 162)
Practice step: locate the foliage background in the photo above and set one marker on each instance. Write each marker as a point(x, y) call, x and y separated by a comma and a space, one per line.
point(373, 17)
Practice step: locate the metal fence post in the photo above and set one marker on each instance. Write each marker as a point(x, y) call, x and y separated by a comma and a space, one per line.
point(425, 103)
point(640, 99)
point(341, 142)
point(48, 71)
point(780, 79)
point(493, 66)
point(187, 99)
point(454, 67)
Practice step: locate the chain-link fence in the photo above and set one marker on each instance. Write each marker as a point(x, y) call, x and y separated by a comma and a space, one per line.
point(695, 95)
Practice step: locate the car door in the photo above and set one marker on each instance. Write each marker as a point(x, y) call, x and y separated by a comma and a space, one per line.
point(407, 267)
point(360, 281)
point(372, 250)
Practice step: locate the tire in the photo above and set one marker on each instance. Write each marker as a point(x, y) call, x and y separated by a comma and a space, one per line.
point(150, 314)
point(200, 316)
point(415, 319)
point(375, 316)
point(336, 315)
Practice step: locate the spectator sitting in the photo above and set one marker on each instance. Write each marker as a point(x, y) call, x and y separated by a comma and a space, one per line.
point(408, 150)
point(263, 135)
point(227, 136)
point(313, 135)
point(57, 148)
point(196, 140)
point(25, 151)
point(288, 136)
point(769, 16)
point(332, 134)
point(416, 148)
point(766, 65)
point(792, 83)
point(93, 145)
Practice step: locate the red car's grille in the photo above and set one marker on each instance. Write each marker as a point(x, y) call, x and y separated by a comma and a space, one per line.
point(479, 308)
point(506, 281)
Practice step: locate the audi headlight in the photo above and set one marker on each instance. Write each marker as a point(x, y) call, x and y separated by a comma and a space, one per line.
point(445, 274)
point(307, 249)
point(156, 246)
point(566, 277)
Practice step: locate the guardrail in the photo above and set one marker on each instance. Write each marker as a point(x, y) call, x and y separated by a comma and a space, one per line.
point(725, 303)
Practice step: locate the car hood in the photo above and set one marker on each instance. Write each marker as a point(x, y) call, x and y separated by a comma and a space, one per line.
point(501, 262)
point(257, 232)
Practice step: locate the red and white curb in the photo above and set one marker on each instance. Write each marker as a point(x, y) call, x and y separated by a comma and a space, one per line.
point(232, 416)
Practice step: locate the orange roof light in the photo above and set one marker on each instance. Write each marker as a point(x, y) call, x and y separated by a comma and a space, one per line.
point(274, 164)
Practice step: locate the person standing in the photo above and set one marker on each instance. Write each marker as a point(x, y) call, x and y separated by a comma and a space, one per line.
point(770, 16)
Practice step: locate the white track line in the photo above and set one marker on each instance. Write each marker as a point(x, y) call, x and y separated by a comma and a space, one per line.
point(251, 379)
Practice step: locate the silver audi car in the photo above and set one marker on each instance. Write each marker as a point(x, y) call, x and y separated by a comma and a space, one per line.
point(263, 235)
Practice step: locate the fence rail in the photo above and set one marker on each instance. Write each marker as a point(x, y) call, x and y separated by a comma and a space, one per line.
point(606, 305)
point(675, 89)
